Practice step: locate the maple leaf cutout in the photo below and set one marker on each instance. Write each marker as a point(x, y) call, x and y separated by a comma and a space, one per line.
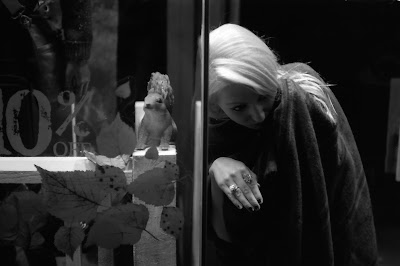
point(75, 196)
point(155, 186)
point(68, 239)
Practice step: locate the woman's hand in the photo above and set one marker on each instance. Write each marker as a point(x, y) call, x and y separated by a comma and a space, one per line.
point(238, 182)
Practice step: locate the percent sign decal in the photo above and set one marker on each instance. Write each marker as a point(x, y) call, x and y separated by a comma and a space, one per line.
point(79, 106)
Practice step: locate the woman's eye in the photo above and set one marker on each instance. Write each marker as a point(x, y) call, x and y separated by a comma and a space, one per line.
point(238, 108)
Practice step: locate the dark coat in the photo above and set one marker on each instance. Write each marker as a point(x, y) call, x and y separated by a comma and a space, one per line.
point(317, 208)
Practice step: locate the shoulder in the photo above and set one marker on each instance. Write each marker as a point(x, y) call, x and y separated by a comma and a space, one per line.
point(302, 109)
point(308, 82)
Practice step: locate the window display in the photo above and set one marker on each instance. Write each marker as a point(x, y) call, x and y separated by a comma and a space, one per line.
point(87, 131)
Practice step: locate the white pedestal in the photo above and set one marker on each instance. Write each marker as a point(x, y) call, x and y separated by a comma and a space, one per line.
point(149, 251)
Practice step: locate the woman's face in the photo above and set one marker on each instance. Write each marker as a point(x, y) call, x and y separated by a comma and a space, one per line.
point(243, 105)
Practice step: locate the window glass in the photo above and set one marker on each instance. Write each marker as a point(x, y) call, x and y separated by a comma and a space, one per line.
point(74, 76)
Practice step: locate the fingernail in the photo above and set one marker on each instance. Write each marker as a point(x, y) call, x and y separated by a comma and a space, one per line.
point(239, 207)
point(257, 208)
point(250, 209)
point(259, 201)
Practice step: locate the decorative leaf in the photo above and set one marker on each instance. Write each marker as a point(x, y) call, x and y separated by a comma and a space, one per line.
point(105, 204)
point(112, 180)
point(72, 196)
point(173, 168)
point(116, 138)
point(105, 233)
point(152, 153)
point(150, 164)
point(172, 221)
point(68, 239)
point(125, 136)
point(121, 161)
point(75, 196)
point(131, 219)
point(154, 187)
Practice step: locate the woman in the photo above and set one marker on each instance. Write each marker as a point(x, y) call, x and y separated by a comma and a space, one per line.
point(287, 184)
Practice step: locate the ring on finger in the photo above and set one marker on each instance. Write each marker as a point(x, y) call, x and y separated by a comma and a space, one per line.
point(247, 178)
point(235, 190)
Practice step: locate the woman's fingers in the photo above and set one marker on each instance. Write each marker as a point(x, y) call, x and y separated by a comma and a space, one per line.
point(245, 189)
point(237, 182)
point(251, 180)
point(241, 193)
point(235, 192)
point(246, 196)
point(231, 192)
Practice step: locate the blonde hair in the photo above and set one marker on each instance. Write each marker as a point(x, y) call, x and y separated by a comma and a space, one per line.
point(314, 86)
point(237, 55)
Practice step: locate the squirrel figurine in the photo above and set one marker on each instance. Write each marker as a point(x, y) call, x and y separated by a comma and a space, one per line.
point(157, 125)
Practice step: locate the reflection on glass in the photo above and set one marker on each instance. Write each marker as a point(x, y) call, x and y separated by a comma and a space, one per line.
point(96, 80)
point(58, 78)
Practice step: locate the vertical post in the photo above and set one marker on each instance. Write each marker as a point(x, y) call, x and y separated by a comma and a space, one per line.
point(77, 257)
point(183, 22)
point(73, 123)
point(204, 122)
point(197, 191)
point(199, 236)
point(139, 113)
point(398, 158)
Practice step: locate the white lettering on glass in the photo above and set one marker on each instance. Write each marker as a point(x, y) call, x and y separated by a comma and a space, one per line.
point(13, 128)
point(3, 150)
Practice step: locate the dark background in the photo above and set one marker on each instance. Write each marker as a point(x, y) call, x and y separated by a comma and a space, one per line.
point(356, 47)
point(141, 48)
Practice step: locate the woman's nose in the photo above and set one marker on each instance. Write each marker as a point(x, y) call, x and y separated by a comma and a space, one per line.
point(257, 113)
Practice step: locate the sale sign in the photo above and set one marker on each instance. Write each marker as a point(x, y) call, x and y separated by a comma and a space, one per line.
point(32, 126)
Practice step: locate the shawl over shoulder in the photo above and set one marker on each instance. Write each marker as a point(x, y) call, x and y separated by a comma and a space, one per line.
point(317, 208)
point(325, 215)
